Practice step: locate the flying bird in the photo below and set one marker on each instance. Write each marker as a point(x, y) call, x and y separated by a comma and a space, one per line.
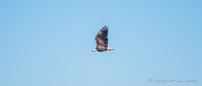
point(102, 40)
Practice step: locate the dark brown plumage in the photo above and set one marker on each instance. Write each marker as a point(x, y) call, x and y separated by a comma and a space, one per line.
point(102, 40)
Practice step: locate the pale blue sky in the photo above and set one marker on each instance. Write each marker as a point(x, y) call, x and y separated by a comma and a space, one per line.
point(48, 43)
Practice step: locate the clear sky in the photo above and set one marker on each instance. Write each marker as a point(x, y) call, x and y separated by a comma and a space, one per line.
point(48, 43)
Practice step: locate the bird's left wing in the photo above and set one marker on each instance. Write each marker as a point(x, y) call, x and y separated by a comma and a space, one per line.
point(101, 37)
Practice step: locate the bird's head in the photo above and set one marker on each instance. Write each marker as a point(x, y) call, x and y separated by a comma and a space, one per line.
point(93, 50)
point(109, 49)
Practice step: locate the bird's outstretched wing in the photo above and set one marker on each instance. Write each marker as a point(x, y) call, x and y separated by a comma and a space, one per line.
point(101, 38)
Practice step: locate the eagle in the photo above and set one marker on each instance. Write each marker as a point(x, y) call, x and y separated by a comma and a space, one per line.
point(102, 40)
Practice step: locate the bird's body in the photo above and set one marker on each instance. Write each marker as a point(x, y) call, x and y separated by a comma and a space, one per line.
point(102, 40)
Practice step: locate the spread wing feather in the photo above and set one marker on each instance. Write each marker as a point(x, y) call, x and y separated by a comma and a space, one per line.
point(101, 39)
